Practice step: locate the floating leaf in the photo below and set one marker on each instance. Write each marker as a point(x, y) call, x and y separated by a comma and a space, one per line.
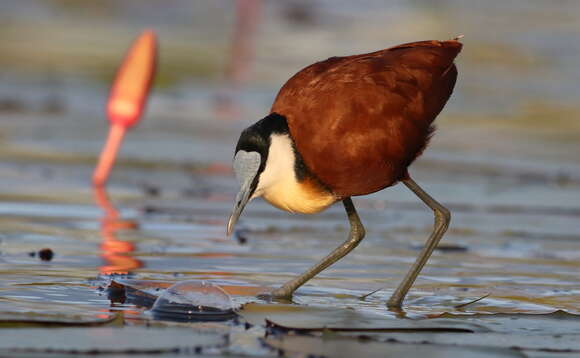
point(119, 292)
point(552, 343)
point(16, 319)
point(558, 322)
point(350, 347)
point(311, 319)
point(558, 332)
point(107, 340)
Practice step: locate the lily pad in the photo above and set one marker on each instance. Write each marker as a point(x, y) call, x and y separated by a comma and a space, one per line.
point(547, 343)
point(107, 340)
point(558, 322)
point(310, 319)
point(127, 292)
point(556, 333)
point(350, 347)
point(17, 319)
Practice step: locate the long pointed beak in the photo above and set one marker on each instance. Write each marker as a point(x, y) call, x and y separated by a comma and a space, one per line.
point(241, 200)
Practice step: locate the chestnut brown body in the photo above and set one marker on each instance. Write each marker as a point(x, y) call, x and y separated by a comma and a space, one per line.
point(349, 126)
point(359, 121)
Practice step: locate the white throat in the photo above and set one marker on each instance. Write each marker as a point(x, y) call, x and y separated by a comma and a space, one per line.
point(278, 183)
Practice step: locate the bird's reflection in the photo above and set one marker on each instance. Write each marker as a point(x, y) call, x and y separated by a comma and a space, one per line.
point(115, 253)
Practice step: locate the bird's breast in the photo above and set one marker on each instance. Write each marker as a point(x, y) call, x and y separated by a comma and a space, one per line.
point(298, 197)
point(280, 186)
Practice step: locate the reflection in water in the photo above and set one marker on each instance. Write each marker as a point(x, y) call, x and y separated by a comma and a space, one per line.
point(115, 252)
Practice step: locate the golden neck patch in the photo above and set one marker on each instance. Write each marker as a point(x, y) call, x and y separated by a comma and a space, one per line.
point(279, 186)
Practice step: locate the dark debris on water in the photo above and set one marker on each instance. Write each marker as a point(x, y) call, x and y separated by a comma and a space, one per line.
point(45, 254)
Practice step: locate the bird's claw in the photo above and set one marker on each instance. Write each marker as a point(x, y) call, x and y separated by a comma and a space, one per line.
point(275, 295)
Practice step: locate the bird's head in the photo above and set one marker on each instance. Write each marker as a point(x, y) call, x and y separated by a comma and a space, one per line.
point(250, 160)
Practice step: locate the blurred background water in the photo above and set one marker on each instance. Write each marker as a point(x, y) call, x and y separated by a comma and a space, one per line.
point(518, 71)
point(505, 157)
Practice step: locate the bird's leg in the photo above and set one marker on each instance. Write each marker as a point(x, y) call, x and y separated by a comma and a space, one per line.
point(442, 218)
point(357, 233)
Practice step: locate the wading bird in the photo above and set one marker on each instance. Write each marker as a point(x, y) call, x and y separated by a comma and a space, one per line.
point(344, 127)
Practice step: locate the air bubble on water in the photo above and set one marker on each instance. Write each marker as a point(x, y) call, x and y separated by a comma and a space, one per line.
point(193, 300)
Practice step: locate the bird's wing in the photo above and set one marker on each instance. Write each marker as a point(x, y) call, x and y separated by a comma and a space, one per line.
point(371, 113)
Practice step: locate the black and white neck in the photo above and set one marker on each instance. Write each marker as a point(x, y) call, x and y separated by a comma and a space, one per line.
point(267, 164)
